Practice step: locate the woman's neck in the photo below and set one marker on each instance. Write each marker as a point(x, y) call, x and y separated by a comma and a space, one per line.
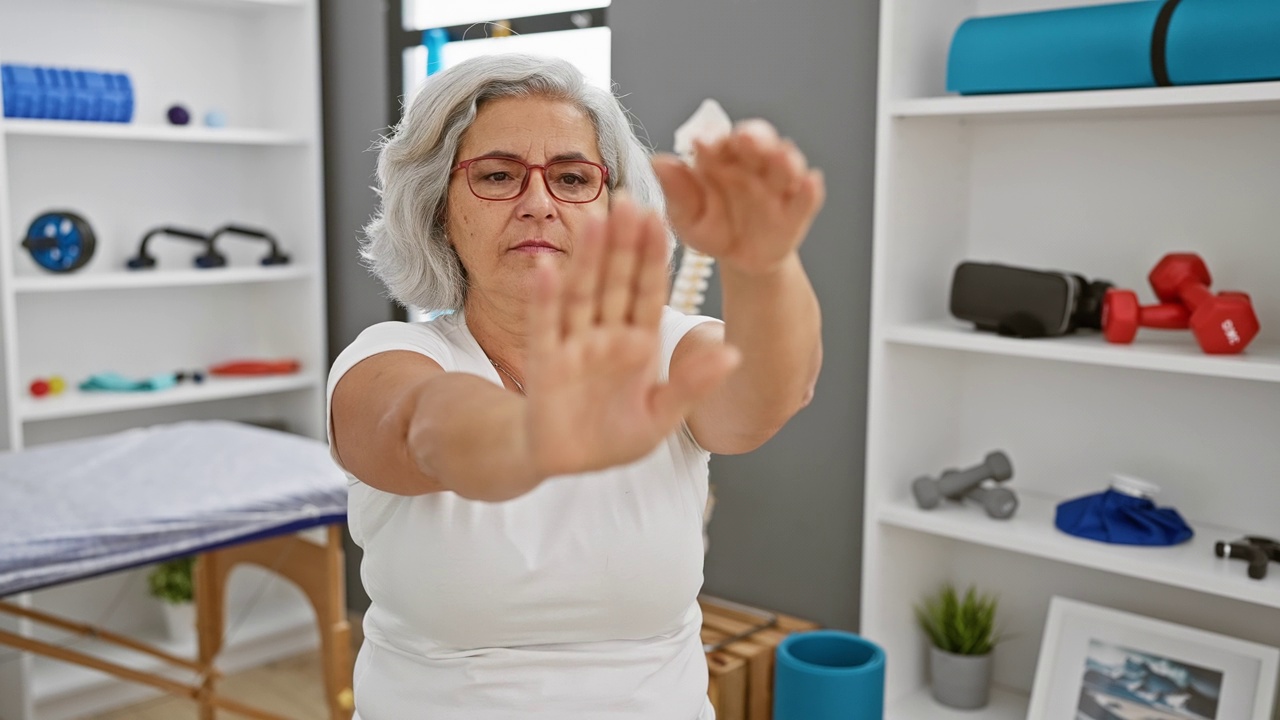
point(500, 329)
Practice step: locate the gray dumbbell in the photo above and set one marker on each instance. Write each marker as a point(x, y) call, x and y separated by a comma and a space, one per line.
point(1000, 502)
point(930, 491)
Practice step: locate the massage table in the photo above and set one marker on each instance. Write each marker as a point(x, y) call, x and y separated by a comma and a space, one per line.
point(227, 492)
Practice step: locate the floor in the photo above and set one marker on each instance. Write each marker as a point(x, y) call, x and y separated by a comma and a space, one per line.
point(292, 687)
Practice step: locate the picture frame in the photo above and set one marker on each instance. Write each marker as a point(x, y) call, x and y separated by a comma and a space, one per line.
point(1100, 663)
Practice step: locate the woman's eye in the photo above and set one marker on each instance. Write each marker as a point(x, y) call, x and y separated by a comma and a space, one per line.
point(497, 177)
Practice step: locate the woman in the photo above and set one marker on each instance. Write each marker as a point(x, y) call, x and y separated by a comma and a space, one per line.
point(529, 472)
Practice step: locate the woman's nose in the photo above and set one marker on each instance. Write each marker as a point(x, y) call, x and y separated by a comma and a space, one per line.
point(536, 201)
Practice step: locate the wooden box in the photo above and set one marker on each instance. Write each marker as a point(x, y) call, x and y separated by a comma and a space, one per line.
point(741, 669)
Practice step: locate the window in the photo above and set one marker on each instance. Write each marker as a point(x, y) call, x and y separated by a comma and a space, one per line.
point(575, 30)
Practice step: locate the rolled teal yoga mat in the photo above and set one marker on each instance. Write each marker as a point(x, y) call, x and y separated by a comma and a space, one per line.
point(1101, 46)
point(1217, 41)
point(1120, 45)
point(828, 675)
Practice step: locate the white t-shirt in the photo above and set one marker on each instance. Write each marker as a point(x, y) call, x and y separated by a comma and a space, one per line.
point(575, 601)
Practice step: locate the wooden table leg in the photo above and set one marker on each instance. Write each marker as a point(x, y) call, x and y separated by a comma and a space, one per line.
point(210, 595)
point(319, 574)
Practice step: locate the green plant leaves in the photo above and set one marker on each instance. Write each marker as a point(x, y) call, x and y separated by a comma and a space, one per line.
point(171, 581)
point(961, 626)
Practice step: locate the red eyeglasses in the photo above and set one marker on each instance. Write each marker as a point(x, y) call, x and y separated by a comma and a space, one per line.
point(504, 178)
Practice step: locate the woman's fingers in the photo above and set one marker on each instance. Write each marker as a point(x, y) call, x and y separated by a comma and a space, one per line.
point(581, 285)
point(651, 279)
point(617, 277)
point(785, 169)
point(756, 161)
point(810, 195)
point(545, 319)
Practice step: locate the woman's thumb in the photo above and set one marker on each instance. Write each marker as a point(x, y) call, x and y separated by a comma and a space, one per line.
point(684, 195)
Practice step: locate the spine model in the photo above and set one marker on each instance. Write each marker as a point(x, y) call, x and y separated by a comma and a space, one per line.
point(709, 122)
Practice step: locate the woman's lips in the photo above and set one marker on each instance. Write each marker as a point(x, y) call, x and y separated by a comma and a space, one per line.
point(535, 246)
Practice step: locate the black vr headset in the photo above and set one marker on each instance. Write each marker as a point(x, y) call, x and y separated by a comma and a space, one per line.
point(1024, 303)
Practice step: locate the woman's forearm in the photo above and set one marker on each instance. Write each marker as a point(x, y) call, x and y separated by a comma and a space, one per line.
point(470, 436)
point(774, 321)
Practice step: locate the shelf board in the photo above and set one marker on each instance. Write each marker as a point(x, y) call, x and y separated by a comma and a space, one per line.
point(158, 279)
point(277, 630)
point(17, 127)
point(920, 705)
point(1031, 531)
point(74, 403)
point(232, 4)
point(1162, 351)
point(1254, 97)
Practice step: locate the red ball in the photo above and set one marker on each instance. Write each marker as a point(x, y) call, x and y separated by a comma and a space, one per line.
point(40, 388)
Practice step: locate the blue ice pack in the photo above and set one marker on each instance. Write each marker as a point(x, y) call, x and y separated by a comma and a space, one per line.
point(1123, 514)
point(1120, 45)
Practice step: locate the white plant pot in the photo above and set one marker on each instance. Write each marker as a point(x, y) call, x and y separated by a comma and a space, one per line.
point(960, 681)
point(180, 621)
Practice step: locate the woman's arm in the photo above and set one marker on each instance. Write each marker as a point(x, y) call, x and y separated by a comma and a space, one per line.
point(403, 425)
point(774, 321)
point(748, 201)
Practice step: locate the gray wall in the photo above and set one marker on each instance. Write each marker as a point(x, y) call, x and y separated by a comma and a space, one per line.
point(353, 38)
point(786, 533)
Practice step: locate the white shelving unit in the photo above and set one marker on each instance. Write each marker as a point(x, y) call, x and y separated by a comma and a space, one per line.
point(152, 133)
point(1100, 183)
point(258, 62)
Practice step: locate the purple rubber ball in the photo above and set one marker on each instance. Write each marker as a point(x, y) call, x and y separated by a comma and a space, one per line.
point(178, 115)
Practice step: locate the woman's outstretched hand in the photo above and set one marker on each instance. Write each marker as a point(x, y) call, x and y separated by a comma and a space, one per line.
point(594, 397)
point(747, 201)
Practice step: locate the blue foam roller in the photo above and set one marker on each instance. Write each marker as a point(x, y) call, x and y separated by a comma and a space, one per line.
point(1217, 41)
point(122, 87)
point(1085, 48)
point(828, 675)
point(56, 99)
point(22, 85)
point(82, 99)
point(73, 104)
point(91, 85)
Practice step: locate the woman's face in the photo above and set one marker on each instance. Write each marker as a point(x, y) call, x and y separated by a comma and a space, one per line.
point(499, 241)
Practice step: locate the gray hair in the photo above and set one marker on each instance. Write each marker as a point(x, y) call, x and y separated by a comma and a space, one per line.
point(405, 244)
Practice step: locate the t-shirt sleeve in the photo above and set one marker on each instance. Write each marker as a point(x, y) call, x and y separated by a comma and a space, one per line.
point(675, 325)
point(421, 338)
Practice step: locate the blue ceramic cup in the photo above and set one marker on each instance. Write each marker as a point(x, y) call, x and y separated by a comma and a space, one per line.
point(828, 675)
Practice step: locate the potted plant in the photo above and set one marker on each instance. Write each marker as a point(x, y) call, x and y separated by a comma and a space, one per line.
point(962, 634)
point(171, 582)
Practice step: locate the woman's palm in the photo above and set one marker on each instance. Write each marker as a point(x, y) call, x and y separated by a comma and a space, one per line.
point(595, 399)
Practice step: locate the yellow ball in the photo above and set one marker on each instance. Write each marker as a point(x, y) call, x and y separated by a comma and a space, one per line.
point(57, 384)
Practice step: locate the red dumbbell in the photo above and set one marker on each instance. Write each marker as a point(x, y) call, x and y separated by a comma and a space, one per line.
point(1122, 316)
point(1224, 323)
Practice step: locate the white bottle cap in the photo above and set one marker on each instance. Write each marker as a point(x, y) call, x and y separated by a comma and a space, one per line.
point(1136, 487)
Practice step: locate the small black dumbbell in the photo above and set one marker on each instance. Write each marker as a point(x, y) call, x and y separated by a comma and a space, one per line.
point(1240, 550)
point(1269, 546)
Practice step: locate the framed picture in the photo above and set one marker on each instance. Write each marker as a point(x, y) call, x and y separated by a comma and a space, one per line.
point(1102, 664)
